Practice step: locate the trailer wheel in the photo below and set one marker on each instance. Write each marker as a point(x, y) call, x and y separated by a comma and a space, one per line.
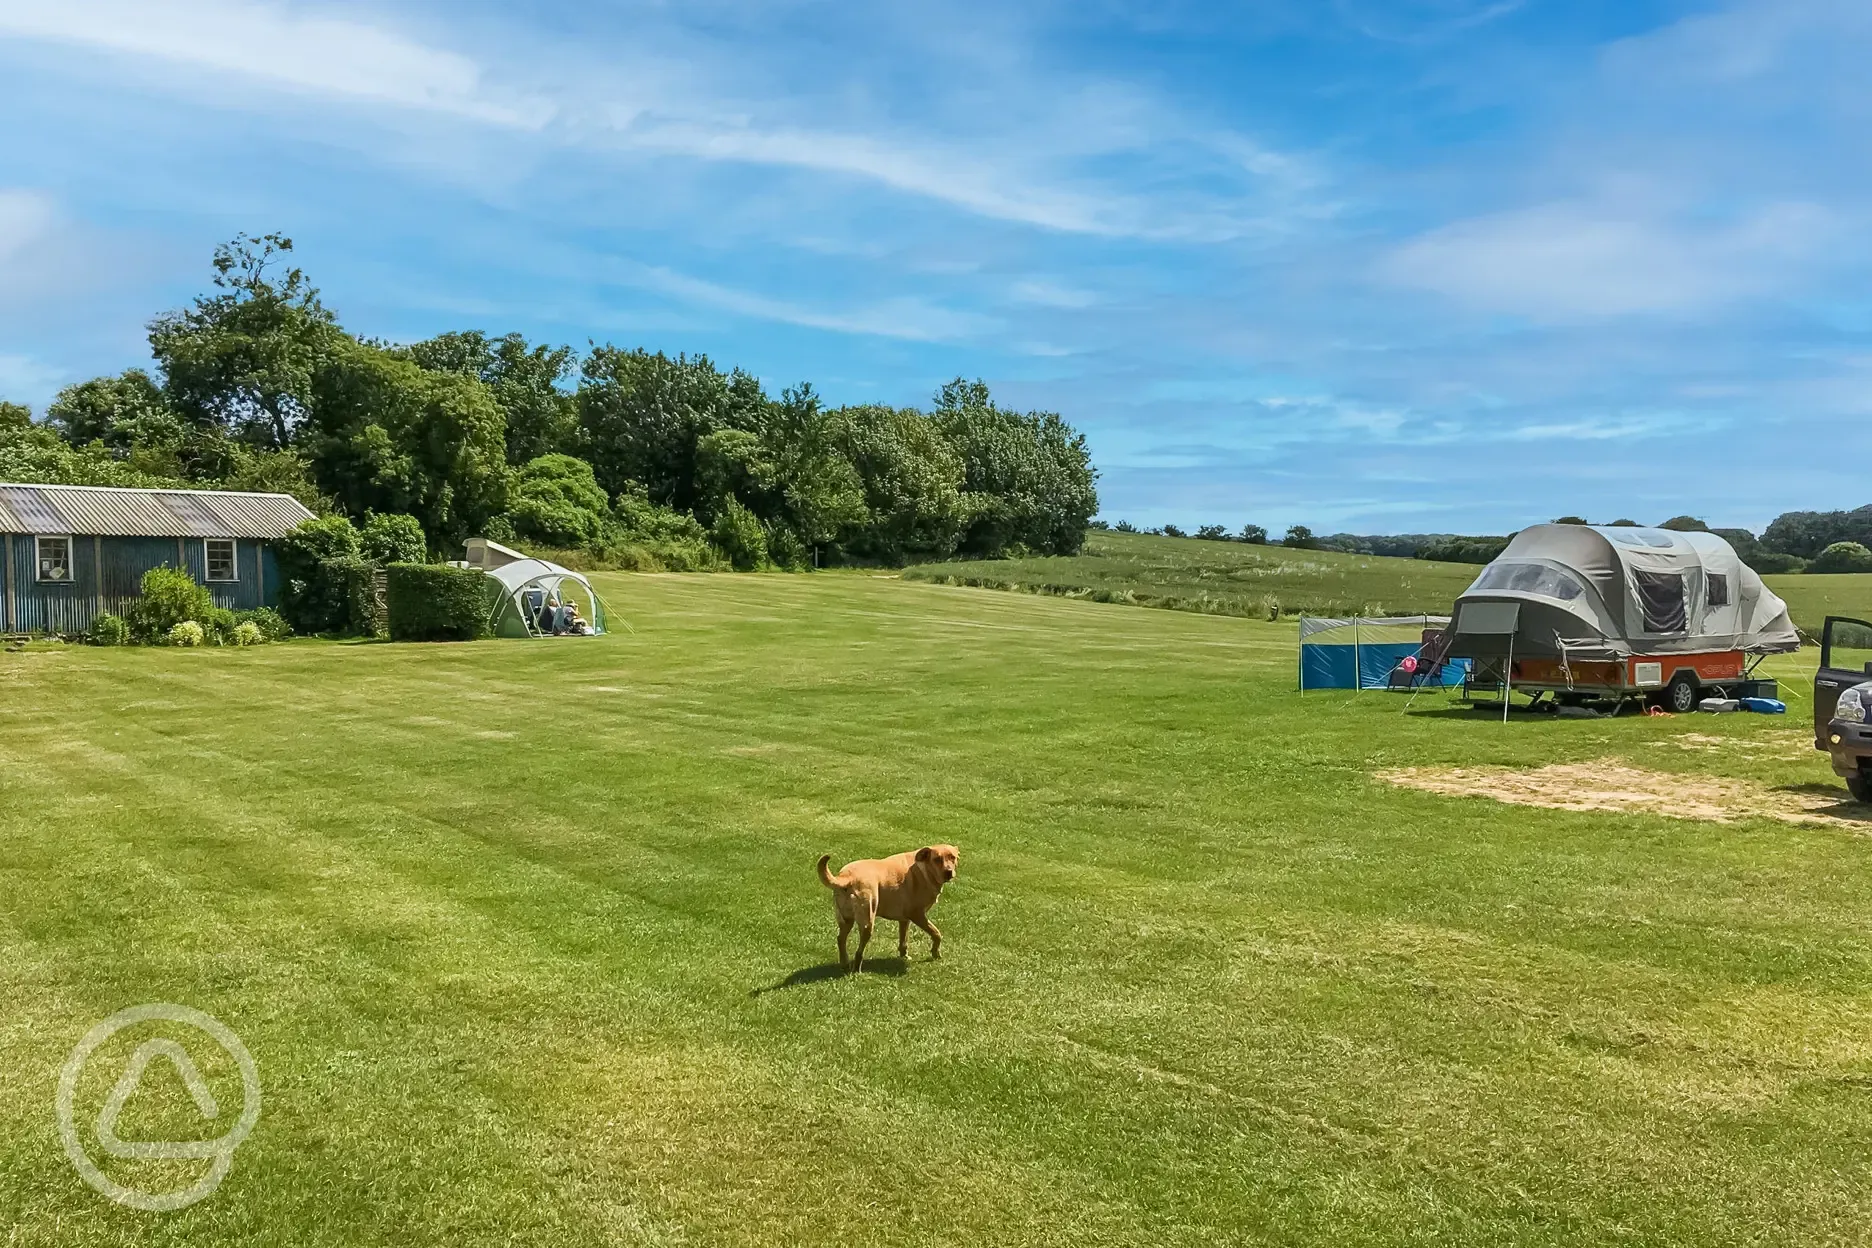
point(1860, 786)
point(1680, 696)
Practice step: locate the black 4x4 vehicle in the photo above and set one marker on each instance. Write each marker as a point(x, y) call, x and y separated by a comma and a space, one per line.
point(1843, 701)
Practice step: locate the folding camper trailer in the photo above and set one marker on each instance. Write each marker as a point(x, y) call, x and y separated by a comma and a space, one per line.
point(1581, 611)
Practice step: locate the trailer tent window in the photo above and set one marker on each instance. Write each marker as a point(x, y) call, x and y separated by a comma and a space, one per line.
point(1528, 578)
point(1661, 594)
point(53, 557)
point(1718, 587)
point(218, 558)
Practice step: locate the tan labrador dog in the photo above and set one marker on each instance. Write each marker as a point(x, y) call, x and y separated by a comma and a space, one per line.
point(902, 887)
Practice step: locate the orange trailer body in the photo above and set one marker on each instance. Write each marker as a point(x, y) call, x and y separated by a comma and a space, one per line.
point(1639, 673)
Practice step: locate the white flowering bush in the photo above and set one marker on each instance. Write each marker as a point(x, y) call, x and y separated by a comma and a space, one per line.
point(247, 633)
point(187, 633)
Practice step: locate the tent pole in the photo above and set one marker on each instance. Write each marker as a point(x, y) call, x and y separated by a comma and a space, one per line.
point(1507, 680)
point(1358, 667)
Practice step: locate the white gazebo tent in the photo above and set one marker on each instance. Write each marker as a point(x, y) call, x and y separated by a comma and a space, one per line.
point(525, 585)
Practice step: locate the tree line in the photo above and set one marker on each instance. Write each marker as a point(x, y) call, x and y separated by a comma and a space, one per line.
point(1795, 541)
point(628, 457)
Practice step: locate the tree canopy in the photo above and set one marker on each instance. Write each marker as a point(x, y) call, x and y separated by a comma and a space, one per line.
point(628, 454)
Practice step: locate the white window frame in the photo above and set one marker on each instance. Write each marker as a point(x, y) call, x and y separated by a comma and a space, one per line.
point(71, 572)
point(233, 561)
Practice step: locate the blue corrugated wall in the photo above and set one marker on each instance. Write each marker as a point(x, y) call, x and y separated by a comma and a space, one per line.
point(32, 607)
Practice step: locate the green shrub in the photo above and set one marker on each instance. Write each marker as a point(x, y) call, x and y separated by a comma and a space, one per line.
point(109, 630)
point(170, 597)
point(272, 625)
point(247, 633)
point(319, 564)
point(218, 626)
point(556, 500)
point(739, 536)
point(1842, 557)
point(786, 549)
point(186, 633)
point(387, 538)
point(1770, 562)
point(436, 602)
point(353, 586)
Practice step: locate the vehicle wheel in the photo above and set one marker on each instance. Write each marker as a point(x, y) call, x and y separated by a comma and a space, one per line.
point(1860, 786)
point(1680, 696)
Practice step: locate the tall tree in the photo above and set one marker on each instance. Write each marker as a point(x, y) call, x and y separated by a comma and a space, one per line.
point(389, 436)
point(643, 414)
point(911, 478)
point(124, 412)
point(525, 379)
point(1027, 479)
point(555, 500)
point(243, 358)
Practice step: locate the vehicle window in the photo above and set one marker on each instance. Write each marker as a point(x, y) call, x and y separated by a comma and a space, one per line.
point(1849, 646)
point(1718, 587)
point(1528, 578)
point(1661, 595)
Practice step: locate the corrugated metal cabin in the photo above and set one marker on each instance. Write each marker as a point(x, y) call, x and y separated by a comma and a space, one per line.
point(73, 551)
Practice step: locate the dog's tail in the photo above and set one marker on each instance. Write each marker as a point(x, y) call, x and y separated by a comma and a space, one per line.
point(825, 875)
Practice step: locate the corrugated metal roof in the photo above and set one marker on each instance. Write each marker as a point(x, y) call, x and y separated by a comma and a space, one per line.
point(108, 511)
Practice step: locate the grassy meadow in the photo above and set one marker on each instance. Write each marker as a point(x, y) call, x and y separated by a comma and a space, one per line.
point(525, 940)
point(1219, 578)
point(1231, 578)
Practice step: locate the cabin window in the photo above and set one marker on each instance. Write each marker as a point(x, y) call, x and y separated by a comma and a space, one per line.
point(53, 557)
point(1661, 595)
point(218, 556)
point(1718, 590)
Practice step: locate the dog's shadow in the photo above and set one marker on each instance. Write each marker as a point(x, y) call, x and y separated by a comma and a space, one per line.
point(892, 966)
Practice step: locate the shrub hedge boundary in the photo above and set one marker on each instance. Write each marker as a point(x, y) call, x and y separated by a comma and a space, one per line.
point(436, 602)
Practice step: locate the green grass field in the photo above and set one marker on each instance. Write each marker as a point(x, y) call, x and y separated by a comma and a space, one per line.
point(525, 940)
point(1220, 578)
point(1811, 599)
point(1229, 578)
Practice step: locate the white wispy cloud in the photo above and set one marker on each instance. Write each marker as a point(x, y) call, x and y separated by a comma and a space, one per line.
point(907, 318)
point(1574, 259)
point(1013, 169)
point(287, 46)
point(1047, 293)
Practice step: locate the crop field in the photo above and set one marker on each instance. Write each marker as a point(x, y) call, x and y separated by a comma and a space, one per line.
point(1231, 578)
point(525, 941)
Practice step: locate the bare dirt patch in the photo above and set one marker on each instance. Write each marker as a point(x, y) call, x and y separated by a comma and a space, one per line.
point(1608, 784)
point(1780, 745)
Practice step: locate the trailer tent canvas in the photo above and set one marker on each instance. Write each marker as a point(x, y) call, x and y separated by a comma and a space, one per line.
point(1618, 608)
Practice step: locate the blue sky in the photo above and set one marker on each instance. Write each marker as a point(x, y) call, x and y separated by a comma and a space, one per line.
point(1379, 265)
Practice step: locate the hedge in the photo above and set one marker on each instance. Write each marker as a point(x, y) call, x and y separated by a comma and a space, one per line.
point(436, 602)
point(335, 595)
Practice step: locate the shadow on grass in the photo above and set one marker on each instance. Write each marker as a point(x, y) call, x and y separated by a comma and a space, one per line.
point(1843, 807)
point(892, 966)
point(1481, 710)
